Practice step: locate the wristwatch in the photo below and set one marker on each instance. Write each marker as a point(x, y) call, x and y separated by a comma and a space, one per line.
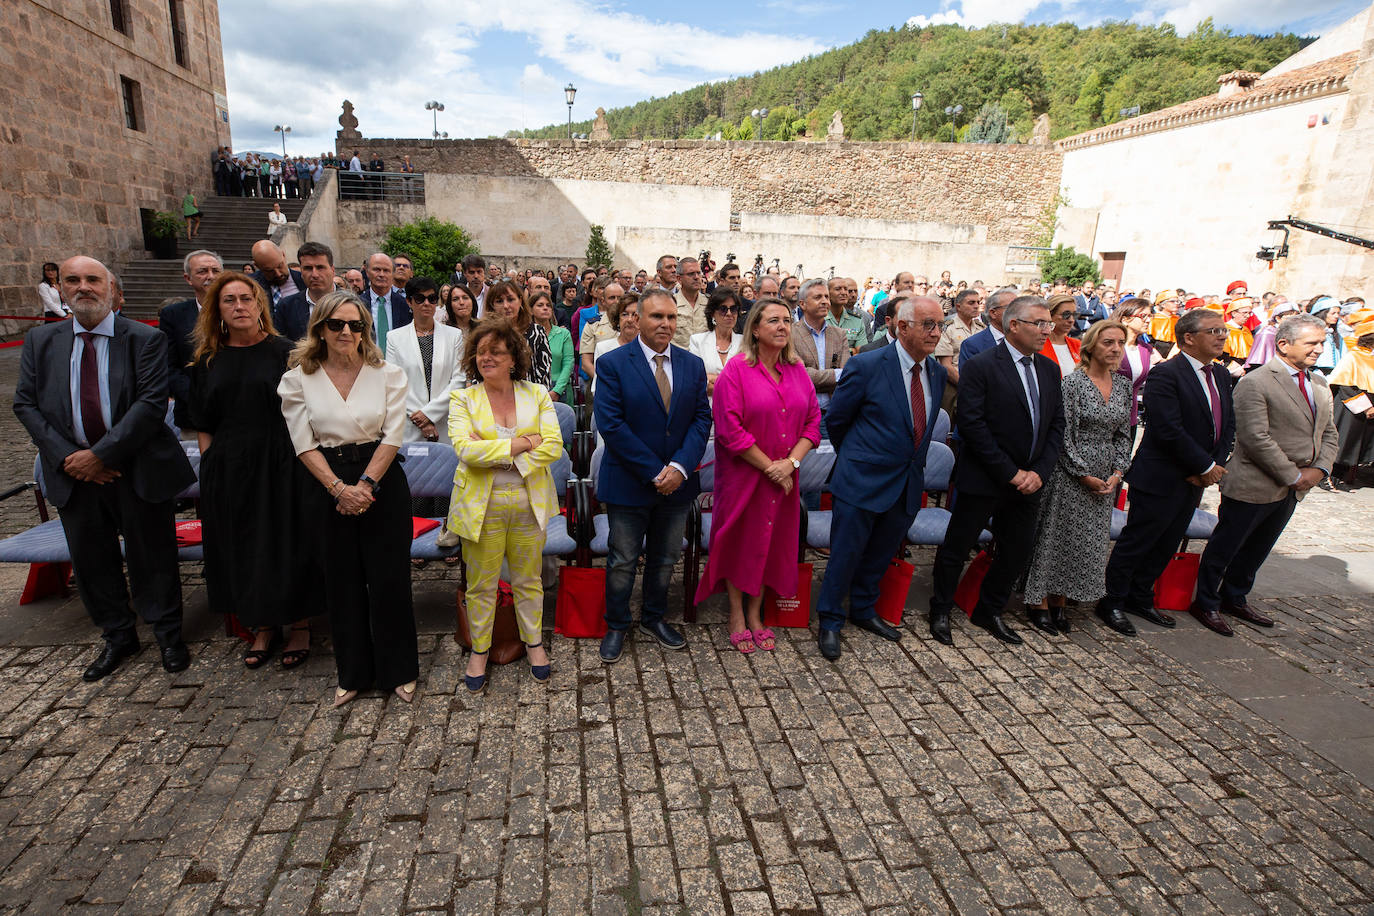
point(376, 487)
point(796, 465)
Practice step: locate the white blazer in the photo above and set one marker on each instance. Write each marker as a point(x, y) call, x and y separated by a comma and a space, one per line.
point(446, 372)
point(704, 346)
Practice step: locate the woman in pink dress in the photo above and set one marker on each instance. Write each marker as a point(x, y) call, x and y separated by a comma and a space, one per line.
point(766, 420)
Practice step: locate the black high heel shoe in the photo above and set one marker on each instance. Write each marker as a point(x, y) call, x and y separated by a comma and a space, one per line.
point(476, 684)
point(256, 658)
point(540, 673)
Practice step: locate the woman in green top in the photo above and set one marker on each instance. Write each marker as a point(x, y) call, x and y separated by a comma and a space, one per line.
point(191, 210)
point(560, 343)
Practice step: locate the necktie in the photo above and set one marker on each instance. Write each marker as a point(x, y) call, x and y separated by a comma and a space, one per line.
point(665, 391)
point(1028, 370)
point(918, 406)
point(383, 324)
point(1216, 404)
point(92, 421)
point(1302, 386)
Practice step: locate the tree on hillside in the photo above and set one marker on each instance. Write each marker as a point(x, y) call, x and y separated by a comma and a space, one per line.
point(989, 125)
point(434, 246)
point(1064, 261)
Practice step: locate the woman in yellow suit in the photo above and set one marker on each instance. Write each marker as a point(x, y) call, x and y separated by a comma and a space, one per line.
point(506, 435)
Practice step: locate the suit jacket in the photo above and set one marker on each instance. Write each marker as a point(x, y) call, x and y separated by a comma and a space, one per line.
point(139, 443)
point(836, 355)
point(400, 310)
point(478, 459)
point(869, 422)
point(876, 344)
point(1179, 440)
point(981, 342)
point(1089, 311)
point(641, 438)
point(291, 316)
point(178, 323)
point(260, 278)
point(446, 374)
point(1277, 434)
point(995, 421)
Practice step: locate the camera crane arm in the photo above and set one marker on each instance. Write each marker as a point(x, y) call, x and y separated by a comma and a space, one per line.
point(1270, 253)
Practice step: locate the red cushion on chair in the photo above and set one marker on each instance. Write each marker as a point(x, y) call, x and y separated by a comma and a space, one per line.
point(420, 525)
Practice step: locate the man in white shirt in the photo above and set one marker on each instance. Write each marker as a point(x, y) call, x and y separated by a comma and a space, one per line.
point(389, 309)
point(475, 274)
point(821, 346)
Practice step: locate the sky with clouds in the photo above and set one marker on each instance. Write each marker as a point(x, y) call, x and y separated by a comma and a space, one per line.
point(499, 66)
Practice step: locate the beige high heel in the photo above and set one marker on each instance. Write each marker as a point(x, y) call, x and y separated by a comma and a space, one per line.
point(342, 696)
point(406, 691)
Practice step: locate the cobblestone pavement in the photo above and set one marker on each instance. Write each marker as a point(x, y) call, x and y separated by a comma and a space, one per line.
point(1177, 772)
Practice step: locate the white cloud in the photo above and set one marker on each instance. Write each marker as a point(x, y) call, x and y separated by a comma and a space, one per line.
point(1261, 16)
point(977, 13)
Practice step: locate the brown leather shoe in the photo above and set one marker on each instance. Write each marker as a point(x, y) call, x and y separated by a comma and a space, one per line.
point(1247, 613)
point(1212, 621)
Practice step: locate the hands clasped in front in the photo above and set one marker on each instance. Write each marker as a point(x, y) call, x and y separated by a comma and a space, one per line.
point(1026, 482)
point(354, 500)
point(84, 465)
point(668, 480)
point(780, 473)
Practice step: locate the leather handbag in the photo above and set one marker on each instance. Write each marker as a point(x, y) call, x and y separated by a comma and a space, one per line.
point(581, 609)
point(506, 645)
point(892, 591)
point(793, 611)
point(1175, 586)
point(966, 595)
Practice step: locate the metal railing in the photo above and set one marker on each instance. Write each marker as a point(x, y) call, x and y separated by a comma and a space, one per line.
point(382, 187)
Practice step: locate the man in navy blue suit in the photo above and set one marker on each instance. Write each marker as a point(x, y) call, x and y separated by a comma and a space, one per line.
point(880, 421)
point(1186, 443)
point(1089, 308)
point(991, 335)
point(273, 274)
point(177, 321)
point(389, 308)
point(1011, 420)
point(652, 412)
point(291, 315)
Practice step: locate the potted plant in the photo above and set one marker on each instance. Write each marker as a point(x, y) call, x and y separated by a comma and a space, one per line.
point(165, 229)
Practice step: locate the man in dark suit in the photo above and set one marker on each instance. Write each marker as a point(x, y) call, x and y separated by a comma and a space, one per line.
point(92, 394)
point(291, 315)
point(889, 333)
point(389, 308)
point(178, 322)
point(652, 412)
point(1186, 443)
point(1011, 420)
point(272, 273)
point(991, 335)
point(880, 422)
point(1089, 308)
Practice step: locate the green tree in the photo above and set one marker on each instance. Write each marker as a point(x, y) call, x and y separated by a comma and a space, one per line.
point(1064, 261)
point(990, 125)
point(434, 246)
point(599, 253)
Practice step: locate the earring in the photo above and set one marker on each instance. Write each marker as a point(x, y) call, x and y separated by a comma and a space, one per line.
point(223, 328)
point(262, 325)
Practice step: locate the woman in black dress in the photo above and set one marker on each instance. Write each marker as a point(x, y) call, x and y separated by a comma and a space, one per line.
point(248, 470)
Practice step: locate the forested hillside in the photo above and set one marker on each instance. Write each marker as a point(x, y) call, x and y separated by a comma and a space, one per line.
point(1081, 77)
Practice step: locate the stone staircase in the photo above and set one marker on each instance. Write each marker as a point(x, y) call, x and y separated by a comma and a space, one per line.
point(229, 227)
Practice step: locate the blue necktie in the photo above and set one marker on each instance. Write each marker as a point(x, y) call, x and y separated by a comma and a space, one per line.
point(1028, 369)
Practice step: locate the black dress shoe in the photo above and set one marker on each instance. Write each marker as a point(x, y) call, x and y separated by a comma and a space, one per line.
point(939, 628)
point(1040, 619)
point(879, 626)
point(1114, 618)
point(1211, 620)
point(1158, 618)
point(994, 624)
point(829, 643)
point(1247, 613)
point(108, 660)
point(175, 657)
point(667, 637)
point(1059, 616)
point(612, 644)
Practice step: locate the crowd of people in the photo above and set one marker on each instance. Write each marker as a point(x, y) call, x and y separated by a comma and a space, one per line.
point(301, 383)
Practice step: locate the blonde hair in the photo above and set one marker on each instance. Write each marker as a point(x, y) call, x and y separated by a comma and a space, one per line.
point(1090, 336)
point(210, 332)
point(312, 351)
point(750, 345)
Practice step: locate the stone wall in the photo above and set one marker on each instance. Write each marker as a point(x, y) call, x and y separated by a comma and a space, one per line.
point(1004, 188)
point(74, 176)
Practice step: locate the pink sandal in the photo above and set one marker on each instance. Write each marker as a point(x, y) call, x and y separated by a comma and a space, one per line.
point(761, 635)
point(744, 642)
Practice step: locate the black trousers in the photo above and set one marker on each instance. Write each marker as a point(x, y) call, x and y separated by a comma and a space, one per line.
point(365, 560)
point(1011, 519)
point(1239, 545)
point(93, 519)
point(1155, 525)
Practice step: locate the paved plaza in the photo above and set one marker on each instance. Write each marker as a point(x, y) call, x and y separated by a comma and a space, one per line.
point(1178, 772)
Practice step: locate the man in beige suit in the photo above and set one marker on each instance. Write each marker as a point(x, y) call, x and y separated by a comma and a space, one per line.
point(822, 347)
point(1285, 444)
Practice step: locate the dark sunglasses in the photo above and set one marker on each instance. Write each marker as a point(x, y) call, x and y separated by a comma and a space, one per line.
point(731, 309)
point(427, 297)
point(337, 324)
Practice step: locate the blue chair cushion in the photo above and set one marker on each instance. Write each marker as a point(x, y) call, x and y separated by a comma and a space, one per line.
point(193, 554)
point(425, 548)
point(43, 543)
point(706, 531)
point(557, 541)
point(928, 528)
point(1202, 525)
point(818, 529)
point(601, 536)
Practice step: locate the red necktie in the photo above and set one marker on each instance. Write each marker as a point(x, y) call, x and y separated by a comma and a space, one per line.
point(1302, 386)
point(92, 421)
point(1216, 405)
point(918, 406)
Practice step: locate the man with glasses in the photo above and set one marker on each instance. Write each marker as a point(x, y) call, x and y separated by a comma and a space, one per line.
point(1187, 440)
point(1011, 420)
point(691, 302)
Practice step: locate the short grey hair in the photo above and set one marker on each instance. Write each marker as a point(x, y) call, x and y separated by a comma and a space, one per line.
point(1292, 327)
point(999, 299)
point(810, 285)
point(200, 252)
point(906, 307)
point(655, 292)
point(1020, 307)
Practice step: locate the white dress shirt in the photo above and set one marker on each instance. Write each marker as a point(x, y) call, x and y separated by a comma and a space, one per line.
point(650, 355)
point(907, 363)
point(385, 302)
point(1200, 373)
point(104, 333)
point(1017, 356)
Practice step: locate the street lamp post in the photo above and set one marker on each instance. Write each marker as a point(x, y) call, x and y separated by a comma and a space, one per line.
point(282, 129)
point(953, 111)
point(435, 108)
point(570, 93)
point(759, 115)
point(915, 107)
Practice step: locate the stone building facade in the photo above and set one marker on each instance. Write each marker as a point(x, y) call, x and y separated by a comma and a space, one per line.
point(109, 107)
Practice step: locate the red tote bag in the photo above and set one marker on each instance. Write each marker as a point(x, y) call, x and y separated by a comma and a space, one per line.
point(581, 609)
point(794, 611)
point(892, 591)
point(966, 595)
point(1175, 586)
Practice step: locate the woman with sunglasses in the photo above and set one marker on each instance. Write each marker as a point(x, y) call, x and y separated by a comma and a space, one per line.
point(719, 342)
point(346, 411)
point(1060, 347)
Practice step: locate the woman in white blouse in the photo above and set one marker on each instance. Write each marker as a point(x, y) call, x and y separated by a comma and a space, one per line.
point(50, 294)
point(719, 342)
point(276, 219)
point(346, 411)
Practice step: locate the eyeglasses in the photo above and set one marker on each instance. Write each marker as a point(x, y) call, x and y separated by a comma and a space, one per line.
point(1215, 332)
point(728, 309)
point(427, 297)
point(1065, 314)
point(1041, 325)
point(338, 324)
point(928, 325)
